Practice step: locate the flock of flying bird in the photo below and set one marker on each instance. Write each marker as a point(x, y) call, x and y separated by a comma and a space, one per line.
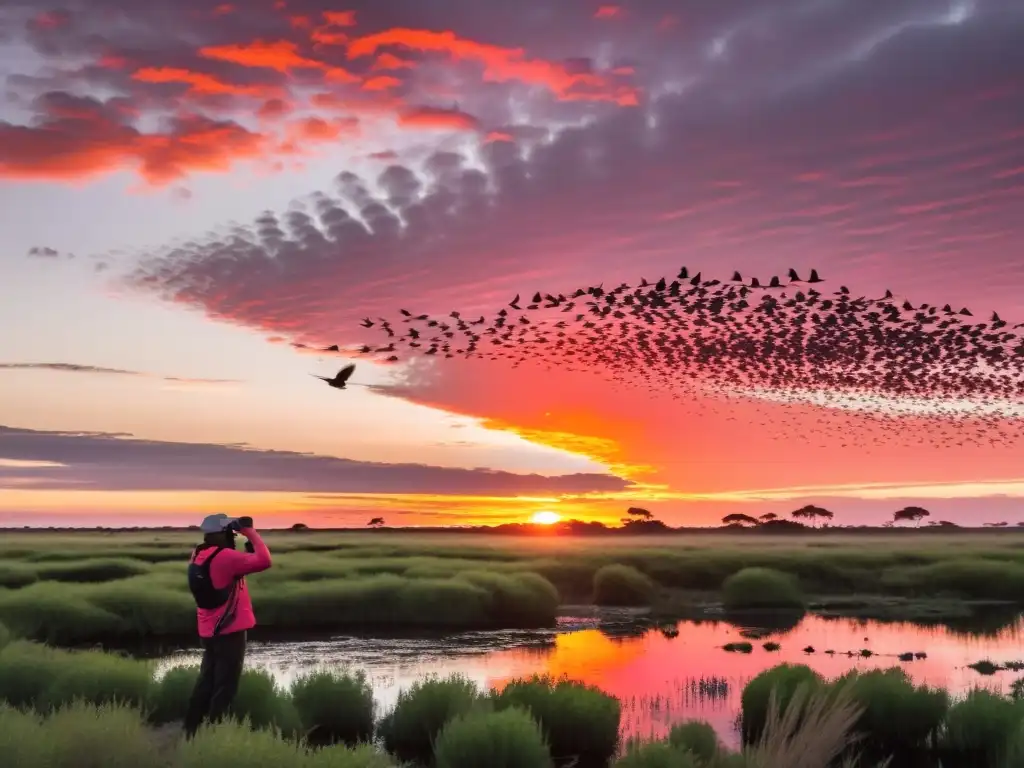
point(875, 359)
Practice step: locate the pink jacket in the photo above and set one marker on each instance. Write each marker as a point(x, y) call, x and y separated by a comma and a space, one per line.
point(226, 567)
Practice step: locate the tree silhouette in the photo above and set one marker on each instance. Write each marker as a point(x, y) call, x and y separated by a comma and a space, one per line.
point(812, 513)
point(737, 519)
point(768, 517)
point(639, 513)
point(916, 514)
point(300, 527)
point(377, 522)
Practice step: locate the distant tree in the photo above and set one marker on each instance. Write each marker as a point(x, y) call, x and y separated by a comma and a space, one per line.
point(738, 519)
point(915, 514)
point(812, 513)
point(377, 522)
point(300, 527)
point(947, 524)
point(768, 517)
point(995, 525)
point(639, 513)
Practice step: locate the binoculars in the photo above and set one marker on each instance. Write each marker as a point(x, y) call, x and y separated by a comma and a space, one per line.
point(239, 524)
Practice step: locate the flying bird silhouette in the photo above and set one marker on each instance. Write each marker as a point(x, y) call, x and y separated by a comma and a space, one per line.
point(340, 379)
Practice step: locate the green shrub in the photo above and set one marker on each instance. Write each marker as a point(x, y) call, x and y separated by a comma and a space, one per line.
point(410, 729)
point(622, 585)
point(507, 739)
point(53, 613)
point(98, 678)
point(263, 704)
point(578, 721)
point(334, 707)
point(785, 680)
point(518, 599)
point(27, 670)
point(757, 588)
point(15, 576)
point(896, 714)
point(169, 697)
point(5, 636)
point(41, 677)
point(697, 738)
point(230, 744)
point(109, 736)
point(655, 754)
point(91, 570)
point(981, 729)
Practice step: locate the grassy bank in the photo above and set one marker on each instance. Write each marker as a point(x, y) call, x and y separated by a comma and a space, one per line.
point(56, 706)
point(71, 588)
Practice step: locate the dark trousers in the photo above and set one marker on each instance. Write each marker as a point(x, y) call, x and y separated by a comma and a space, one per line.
point(219, 674)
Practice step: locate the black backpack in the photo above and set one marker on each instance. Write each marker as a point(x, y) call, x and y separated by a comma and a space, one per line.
point(201, 584)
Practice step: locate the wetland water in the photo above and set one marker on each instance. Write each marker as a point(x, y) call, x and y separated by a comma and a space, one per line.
point(661, 678)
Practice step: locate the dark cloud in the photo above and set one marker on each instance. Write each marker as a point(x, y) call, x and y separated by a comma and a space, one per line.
point(43, 252)
point(75, 368)
point(99, 461)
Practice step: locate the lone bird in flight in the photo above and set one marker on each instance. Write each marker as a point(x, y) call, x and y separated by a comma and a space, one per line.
point(342, 377)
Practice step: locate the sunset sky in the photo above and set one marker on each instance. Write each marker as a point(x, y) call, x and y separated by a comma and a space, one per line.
point(187, 188)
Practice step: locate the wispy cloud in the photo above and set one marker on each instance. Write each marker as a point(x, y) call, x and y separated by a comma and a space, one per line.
point(98, 461)
point(100, 370)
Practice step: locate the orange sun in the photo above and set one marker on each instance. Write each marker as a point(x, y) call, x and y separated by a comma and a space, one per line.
point(545, 517)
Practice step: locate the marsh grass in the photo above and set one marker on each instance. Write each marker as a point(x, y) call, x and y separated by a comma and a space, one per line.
point(896, 717)
point(510, 738)
point(982, 729)
point(579, 721)
point(622, 585)
point(169, 696)
point(33, 675)
point(779, 683)
point(697, 738)
point(761, 588)
point(125, 587)
point(411, 728)
point(263, 704)
point(334, 707)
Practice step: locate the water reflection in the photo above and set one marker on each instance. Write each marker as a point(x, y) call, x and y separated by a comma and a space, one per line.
point(659, 676)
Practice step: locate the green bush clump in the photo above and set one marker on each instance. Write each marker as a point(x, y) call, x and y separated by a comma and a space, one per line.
point(98, 678)
point(578, 721)
point(622, 585)
point(982, 729)
point(263, 704)
point(411, 728)
point(505, 739)
point(15, 576)
point(334, 707)
point(91, 570)
point(761, 588)
point(896, 714)
point(697, 738)
point(43, 678)
point(169, 696)
point(79, 735)
point(5, 636)
point(54, 613)
point(785, 680)
point(655, 754)
point(517, 599)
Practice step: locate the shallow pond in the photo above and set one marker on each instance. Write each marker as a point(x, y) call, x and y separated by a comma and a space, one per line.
point(659, 678)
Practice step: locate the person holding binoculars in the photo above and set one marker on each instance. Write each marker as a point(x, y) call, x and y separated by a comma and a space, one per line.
point(216, 577)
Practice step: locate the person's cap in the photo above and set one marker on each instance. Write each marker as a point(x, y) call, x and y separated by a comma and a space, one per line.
point(216, 523)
